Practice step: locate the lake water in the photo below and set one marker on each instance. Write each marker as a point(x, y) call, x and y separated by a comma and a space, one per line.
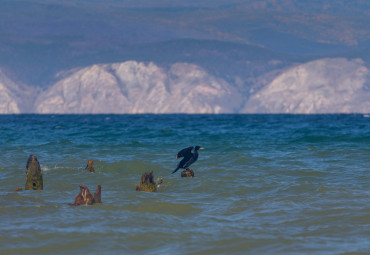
point(265, 184)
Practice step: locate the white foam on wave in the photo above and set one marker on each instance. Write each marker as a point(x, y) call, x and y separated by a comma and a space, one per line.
point(46, 168)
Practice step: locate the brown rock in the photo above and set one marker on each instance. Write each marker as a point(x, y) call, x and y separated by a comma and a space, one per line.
point(97, 195)
point(90, 166)
point(84, 197)
point(187, 173)
point(33, 174)
point(147, 183)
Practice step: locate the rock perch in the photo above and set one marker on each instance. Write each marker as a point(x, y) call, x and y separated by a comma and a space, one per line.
point(187, 173)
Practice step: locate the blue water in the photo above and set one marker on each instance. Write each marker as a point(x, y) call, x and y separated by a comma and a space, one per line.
point(265, 184)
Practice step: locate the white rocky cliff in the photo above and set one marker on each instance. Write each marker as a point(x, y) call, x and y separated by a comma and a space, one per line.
point(334, 85)
point(133, 87)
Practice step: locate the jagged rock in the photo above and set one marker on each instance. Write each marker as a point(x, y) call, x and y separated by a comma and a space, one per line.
point(90, 166)
point(147, 183)
point(187, 173)
point(85, 197)
point(34, 179)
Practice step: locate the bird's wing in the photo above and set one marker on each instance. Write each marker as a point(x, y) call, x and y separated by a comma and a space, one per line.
point(184, 152)
point(190, 161)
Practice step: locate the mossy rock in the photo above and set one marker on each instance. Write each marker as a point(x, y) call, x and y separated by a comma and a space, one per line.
point(33, 174)
point(187, 173)
point(146, 187)
point(147, 183)
point(34, 182)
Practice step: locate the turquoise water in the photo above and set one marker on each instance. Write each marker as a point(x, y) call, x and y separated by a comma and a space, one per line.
point(265, 184)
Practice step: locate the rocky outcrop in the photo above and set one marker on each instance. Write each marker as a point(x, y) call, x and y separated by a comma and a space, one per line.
point(34, 179)
point(334, 85)
point(147, 183)
point(86, 198)
point(133, 87)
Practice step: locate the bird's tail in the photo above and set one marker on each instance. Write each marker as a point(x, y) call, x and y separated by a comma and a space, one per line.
point(174, 171)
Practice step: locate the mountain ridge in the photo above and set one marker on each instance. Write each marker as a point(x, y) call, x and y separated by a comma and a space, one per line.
point(136, 87)
point(328, 85)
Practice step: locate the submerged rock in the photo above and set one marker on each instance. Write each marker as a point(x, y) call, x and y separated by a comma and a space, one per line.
point(85, 197)
point(147, 183)
point(90, 166)
point(187, 173)
point(33, 174)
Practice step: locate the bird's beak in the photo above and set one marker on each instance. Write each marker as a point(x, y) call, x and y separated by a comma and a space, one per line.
point(201, 148)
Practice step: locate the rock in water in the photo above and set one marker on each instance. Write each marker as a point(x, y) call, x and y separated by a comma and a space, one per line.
point(147, 183)
point(84, 197)
point(97, 195)
point(33, 174)
point(187, 173)
point(90, 166)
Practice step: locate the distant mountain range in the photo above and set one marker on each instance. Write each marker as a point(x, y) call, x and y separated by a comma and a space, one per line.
point(133, 87)
point(331, 85)
point(211, 56)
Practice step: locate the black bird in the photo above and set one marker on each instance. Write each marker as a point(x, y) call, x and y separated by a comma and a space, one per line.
point(188, 157)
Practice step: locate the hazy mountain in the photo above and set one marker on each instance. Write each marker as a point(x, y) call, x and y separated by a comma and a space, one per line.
point(321, 86)
point(333, 85)
point(15, 98)
point(133, 87)
point(244, 49)
point(8, 102)
point(329, 85)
